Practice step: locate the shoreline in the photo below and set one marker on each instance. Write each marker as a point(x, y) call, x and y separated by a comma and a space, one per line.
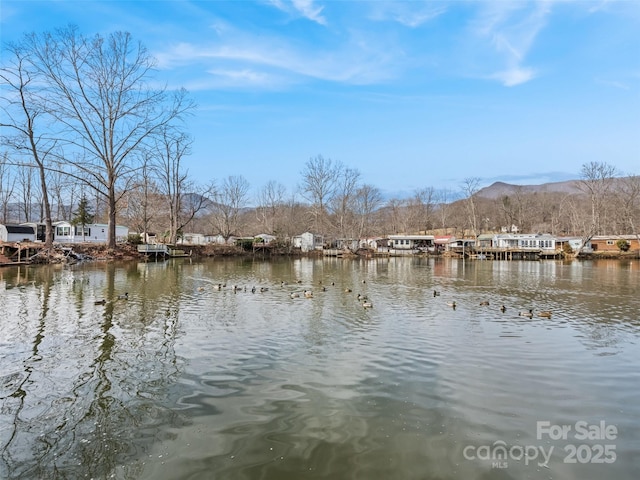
point(35, 254)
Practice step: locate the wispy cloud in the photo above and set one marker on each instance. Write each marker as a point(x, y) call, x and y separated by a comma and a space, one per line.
point(409, 14)
point(244, 59)
point(304, 8)
point(511, 29)
point(613, 83)
point(513, 76)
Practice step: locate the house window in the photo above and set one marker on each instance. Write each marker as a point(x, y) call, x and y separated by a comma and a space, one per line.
point(63, 231)
point(78, 231)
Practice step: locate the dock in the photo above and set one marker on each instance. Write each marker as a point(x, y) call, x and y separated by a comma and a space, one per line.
point(161, 250)
point(497, 253)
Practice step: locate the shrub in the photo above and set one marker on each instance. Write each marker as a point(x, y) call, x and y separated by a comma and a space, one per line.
point(623, 245)
point(245, 243)
point(134, 239)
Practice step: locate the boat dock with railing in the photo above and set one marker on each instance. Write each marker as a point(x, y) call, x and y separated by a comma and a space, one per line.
point(161, 250)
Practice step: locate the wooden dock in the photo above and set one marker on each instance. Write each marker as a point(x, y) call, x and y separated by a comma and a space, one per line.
point(496, 253)
point(17, 253)
point(161, 250)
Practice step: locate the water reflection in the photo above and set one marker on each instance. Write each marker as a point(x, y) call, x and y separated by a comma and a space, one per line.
point(185, 380)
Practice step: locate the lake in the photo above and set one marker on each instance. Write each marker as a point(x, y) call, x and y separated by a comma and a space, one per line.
point(189, 378)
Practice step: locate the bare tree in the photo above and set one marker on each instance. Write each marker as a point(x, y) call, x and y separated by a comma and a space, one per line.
point(294, 216)
point(23, 109)
point(396, 217)
point(343, 199)
point(367, 200)
point(443, 199)
point(99, 92)
point(171, 146)
point(7, 186)
point(470, 188)
point(271, 199)
point(628, 194)
point(420, 209)
point(596, 182)
point(27, 191)
point(231, 198)
point(142, 201)
point(319, 179)
point(64, 191)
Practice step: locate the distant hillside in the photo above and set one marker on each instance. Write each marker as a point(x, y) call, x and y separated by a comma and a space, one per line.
point(499, 189)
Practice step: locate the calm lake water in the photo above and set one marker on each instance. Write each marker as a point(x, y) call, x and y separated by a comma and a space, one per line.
point(184, 381)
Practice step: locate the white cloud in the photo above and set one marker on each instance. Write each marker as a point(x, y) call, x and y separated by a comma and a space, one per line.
point(309, 10)
point(614, 83)
point(305, 8)
point(511, 28)
point(514, 76)
point(409, 14)
point(273, 60)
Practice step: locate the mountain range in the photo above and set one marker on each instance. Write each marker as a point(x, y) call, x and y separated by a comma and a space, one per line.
point(499, 189)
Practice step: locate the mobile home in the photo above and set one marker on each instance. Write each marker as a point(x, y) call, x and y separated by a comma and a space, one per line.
point(65, 232)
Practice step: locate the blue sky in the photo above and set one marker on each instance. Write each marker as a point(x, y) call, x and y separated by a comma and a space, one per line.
point(412, 94)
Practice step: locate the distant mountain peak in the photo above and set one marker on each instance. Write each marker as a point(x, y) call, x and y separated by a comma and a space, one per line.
point(499, 189)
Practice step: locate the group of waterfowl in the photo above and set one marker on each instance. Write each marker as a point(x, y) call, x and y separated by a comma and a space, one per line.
point(363, 299)
point(122, 296)
point(305, 293)
point(485, 303)
point(529, 313)
point(366, 303)
point(524, 313)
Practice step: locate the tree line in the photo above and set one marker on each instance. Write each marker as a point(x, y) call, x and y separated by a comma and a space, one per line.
point(87, 133)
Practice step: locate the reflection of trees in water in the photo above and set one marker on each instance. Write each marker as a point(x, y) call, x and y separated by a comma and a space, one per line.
point(15, 401)
point(88, 396)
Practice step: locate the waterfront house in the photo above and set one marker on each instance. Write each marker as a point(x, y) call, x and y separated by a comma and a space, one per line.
point(17, 233)
point(574, 243)
point(191, 239)
point(442, 242)
point(485, 240)
point(525, 241)
point(217, 239)
point(65, 232)
point(609, 243)
point(412, 243)
point(460, 246)
point(308, 241)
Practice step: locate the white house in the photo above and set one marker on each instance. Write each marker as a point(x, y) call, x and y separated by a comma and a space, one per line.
point(308, 241)
point(192, 239)
point(64, 232)
point(533, 241)
point(17, 233)
point(218, 239)
point(412, 242)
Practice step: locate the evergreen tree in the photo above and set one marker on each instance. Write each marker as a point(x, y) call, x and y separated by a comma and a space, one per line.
point(83, 215)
